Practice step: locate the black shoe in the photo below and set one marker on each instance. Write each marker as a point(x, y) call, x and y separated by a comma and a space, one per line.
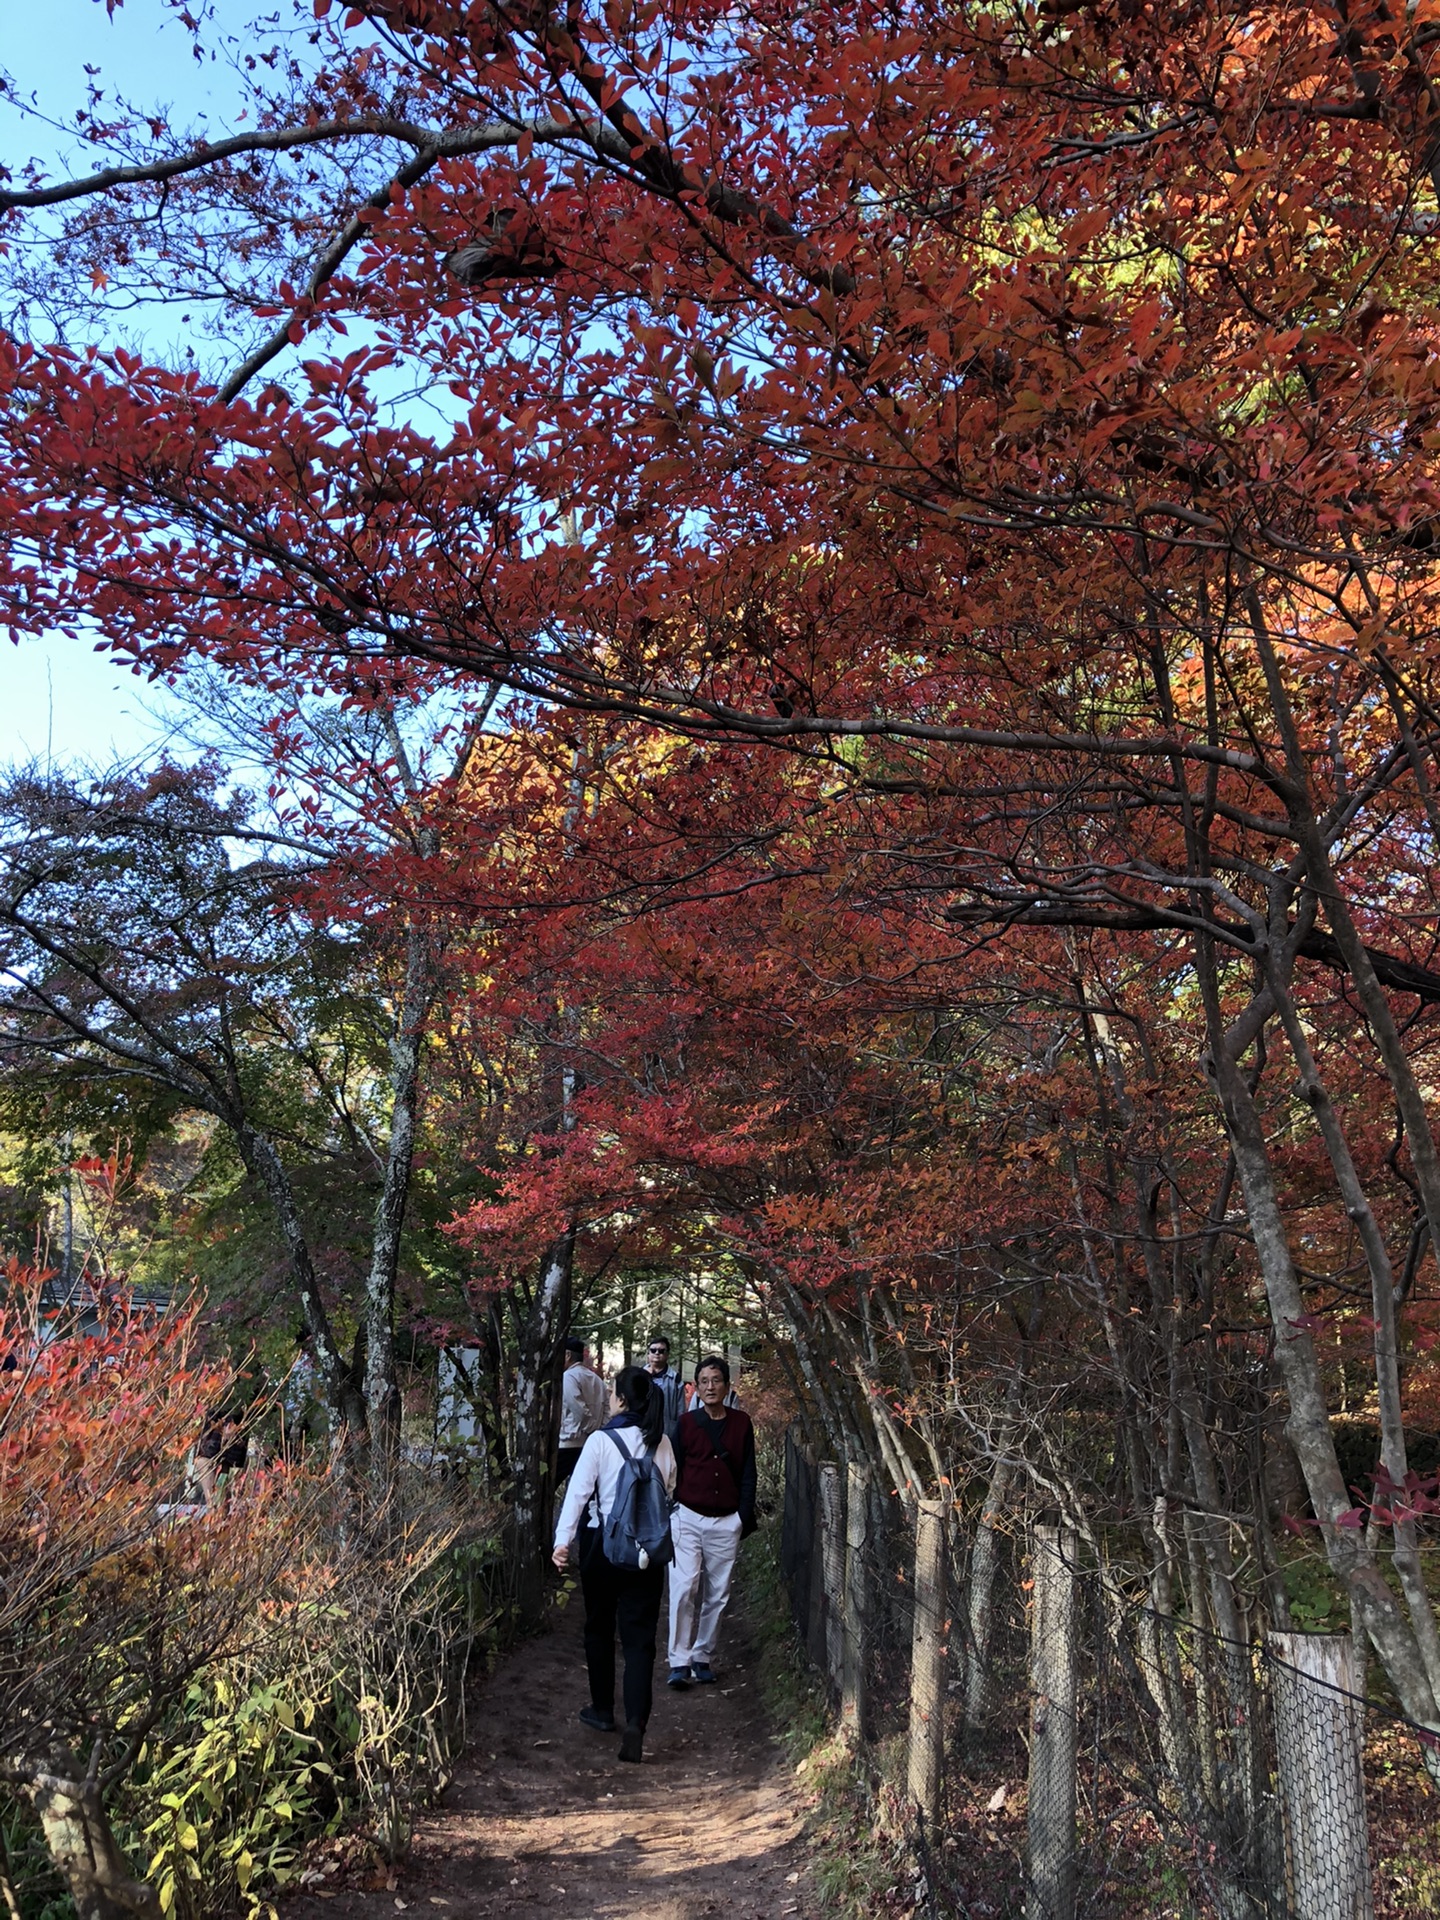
point(602, 1722)
point(632, 1742)
point(701, 1674)
point(679, 1677)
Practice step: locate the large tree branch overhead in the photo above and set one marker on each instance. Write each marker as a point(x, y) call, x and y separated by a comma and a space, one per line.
point(211, 153)
point(1392, 970)
point(611, 136)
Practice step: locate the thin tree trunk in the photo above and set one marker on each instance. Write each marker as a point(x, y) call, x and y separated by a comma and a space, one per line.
point(1308, 1427)
point(1393, 1454)
point(543, 1328)
point(382, 1389)
point(855, 1600)
point(814, 1375)
point(343, 1401)
point(1409, 1100)
point(980, 1606)
point(67, 1259)
point(496, 1360)
point(627, 1318)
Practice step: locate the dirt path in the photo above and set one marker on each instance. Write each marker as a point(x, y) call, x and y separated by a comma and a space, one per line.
point(542, 1818)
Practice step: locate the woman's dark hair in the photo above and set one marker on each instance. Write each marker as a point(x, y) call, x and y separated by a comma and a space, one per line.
point(638, 1394)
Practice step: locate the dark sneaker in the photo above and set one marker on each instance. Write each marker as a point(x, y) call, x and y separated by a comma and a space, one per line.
point(602, 1722)
point(679, 1677)
point(632, 1743)
point(701, 1675)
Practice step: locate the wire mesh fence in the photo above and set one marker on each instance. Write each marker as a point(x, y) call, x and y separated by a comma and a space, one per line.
point(1078, 1746)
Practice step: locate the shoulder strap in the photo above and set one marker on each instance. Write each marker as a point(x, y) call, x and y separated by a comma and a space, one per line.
point(718, 1450)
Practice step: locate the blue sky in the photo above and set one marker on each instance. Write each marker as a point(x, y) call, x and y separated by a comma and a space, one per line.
point(140, 52)
point(59, 698)
point(58, 695)
point(63, 702)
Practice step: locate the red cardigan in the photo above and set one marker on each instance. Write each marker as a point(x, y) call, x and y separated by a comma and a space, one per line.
point(705, 1483)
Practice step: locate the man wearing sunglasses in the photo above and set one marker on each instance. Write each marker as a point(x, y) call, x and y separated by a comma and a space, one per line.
point(657, 1365)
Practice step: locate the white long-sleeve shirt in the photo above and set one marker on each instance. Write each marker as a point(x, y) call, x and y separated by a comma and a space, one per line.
point(597, 1475)
point(584, 1402)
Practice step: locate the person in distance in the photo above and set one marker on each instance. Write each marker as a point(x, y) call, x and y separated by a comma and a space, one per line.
point(584, 1404)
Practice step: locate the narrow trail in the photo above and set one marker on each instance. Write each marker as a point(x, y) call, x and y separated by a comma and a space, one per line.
point(542, 1817)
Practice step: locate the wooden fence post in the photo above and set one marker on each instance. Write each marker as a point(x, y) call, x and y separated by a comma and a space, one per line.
point(1319, 1739)
point(928, 1638)
point(1050, 1820)
point(832, 1567)
point(815, 1596)
point(855, 1605)
point(788, 1541)
point(822, 1623)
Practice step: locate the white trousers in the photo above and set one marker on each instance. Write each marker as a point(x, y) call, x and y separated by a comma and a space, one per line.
point(700, 1576)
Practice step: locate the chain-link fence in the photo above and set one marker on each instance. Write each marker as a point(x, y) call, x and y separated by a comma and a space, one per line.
point(1078, 1746)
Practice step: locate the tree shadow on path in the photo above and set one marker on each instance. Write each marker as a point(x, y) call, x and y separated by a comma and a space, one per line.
point(543, 1818)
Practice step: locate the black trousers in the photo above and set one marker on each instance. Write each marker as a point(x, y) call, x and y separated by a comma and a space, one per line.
point(565, 1464)
point(626, 1600)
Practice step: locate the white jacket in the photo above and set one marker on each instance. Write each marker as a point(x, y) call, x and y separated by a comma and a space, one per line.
point(584, 1404)
point(597, 1474)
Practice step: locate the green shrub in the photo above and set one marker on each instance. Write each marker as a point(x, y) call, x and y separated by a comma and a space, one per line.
point(226, 1796)
point(343, 1709)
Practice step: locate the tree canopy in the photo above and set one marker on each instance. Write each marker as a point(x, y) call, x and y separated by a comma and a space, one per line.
point(922, 522)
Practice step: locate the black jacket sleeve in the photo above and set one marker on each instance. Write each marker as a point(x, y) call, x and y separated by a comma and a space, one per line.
point(747, 1482)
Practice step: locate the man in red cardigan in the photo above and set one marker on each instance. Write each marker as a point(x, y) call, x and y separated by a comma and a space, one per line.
point(714, 1509)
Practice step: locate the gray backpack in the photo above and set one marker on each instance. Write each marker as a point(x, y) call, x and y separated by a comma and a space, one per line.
point(637, 1528)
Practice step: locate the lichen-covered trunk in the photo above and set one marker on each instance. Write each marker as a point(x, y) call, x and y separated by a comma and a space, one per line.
point(979, 1607)
point(382, 1388)
point(1375, 1606)
point(544, 1327)
point(1389, 1405)
point(85, 1852)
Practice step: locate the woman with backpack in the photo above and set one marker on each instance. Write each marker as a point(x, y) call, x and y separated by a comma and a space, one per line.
point(620, 1491)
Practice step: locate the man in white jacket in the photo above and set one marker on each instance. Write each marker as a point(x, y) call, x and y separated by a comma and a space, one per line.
point(584, 1404)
